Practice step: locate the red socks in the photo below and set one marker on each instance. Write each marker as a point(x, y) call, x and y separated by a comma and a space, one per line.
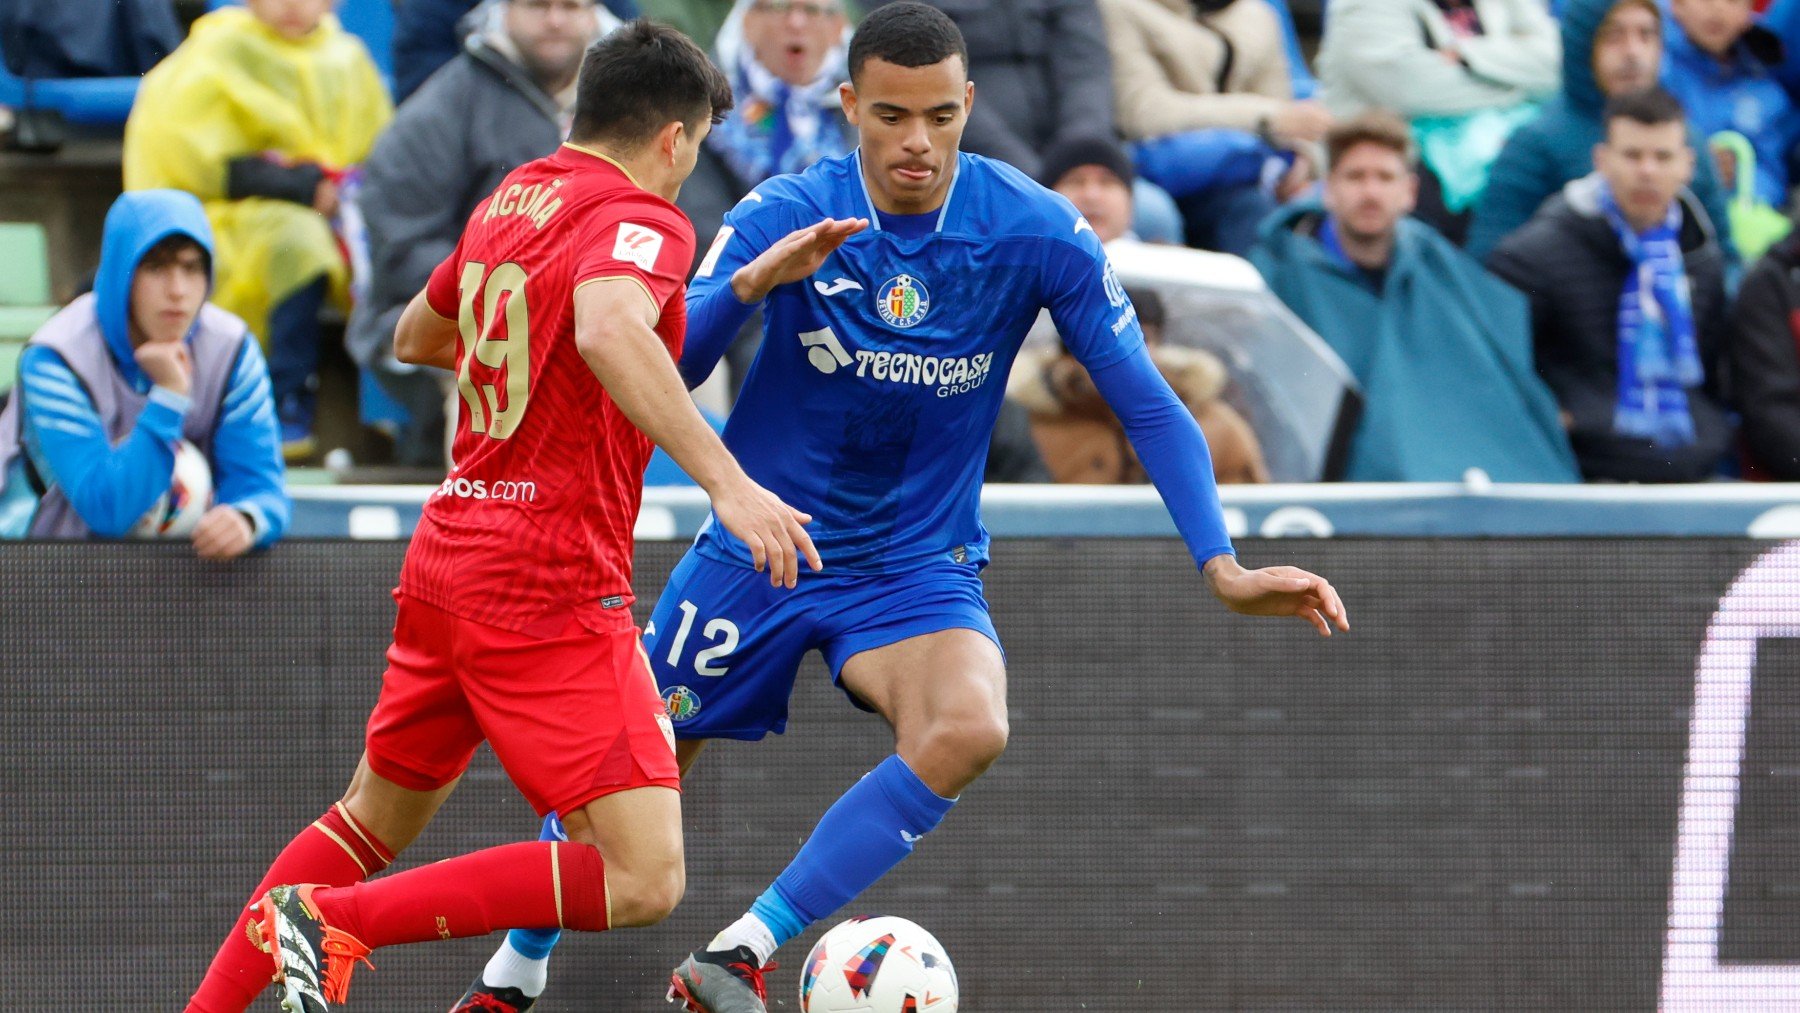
point(336, 850)
point(532, 885)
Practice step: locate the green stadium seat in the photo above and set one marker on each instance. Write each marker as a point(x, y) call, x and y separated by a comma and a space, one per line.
point(24, 292)
point(26, 279)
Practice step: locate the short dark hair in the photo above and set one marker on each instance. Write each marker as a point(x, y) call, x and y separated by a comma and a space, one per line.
point(1372, 127)
point(1651, 107)
point(1149, 304)
point(642, 77)
point(906, 34)
point(171, 246)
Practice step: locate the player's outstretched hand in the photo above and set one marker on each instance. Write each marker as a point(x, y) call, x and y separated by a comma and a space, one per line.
point(797, 255)
point(774, 531)
point(1277, 591)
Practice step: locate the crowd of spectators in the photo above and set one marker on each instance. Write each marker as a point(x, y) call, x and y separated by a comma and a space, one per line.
point(1550, 241)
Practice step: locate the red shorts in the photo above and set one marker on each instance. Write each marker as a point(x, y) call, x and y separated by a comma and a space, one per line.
point(572, 716)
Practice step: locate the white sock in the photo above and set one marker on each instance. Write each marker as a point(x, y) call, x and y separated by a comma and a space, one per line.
point(747, 931)
point(510, 968)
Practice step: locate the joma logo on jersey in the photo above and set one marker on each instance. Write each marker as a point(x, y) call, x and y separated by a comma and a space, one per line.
point(902, 301)
point(951, 375)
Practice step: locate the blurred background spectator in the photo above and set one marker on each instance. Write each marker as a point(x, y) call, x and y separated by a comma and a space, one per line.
point(1627, 286)
point(1042, 75)
point(785, 60)
point(1464, 73)
point(1765, 361)
point(1719, 64)
point(113, 382)
point(1441, 348)
point(1095, 174)
point(263, 113)
point(1609, 47)
point(429, 34)
point(507, 99)
point(1083, 442)
point(1204, 91)
point(87, 38)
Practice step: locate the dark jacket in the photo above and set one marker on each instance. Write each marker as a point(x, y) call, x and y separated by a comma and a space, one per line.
point(476, 120)
point(428, 34)
point(1765, 359)
point(1041, 74)
point(1558, 146)
point(86, 38)
point(1568, 263)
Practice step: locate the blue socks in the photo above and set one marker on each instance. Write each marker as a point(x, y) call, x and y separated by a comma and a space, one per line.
point(865, 833)
point(535, 944)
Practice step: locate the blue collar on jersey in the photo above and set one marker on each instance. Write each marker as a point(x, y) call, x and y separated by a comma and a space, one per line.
point(875, 216)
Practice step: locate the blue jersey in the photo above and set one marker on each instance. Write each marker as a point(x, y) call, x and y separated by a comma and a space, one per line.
point(873, 397)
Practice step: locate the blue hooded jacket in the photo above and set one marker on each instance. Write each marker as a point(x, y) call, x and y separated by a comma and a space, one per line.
point(1741, 95)
point(1544, 155)
point(110, 487)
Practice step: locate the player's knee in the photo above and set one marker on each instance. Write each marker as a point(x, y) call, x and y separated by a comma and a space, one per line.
point(646, 896)
point(970, 742)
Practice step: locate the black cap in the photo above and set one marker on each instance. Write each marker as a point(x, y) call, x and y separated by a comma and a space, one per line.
point(1075, 152)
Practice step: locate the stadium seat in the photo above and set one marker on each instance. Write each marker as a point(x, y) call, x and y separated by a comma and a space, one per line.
point(93, 101)
point(24, 292)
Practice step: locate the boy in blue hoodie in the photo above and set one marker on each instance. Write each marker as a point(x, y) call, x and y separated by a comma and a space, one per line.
point(110, 385)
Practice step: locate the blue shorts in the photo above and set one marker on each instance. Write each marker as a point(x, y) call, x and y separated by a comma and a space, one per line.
point(726, 647)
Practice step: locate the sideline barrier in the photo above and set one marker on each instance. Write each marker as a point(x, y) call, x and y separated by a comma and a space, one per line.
point(1471, 802)
point(1400, 509)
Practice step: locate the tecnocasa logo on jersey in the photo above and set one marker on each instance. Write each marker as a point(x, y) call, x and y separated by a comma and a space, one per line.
point(951, 375)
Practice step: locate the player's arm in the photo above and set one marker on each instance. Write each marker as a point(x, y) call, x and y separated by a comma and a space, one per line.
point(615, 322)
point(1174, 452)
point(423, 337)
point(738, 273)
point(1100, 328)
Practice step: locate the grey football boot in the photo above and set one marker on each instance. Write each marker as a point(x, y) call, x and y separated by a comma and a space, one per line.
point(721, 981)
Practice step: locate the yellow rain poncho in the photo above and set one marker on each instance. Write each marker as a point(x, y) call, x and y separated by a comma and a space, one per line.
point(236, 87)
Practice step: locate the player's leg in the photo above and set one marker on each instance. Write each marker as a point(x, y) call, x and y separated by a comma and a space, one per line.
point(575, 719)
point(945, 695)
point(921, 650)
point(623, 868)
point(520, 968)
point(420, 737)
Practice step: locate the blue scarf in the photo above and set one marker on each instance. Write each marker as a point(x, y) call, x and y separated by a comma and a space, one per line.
point(1658, 360)
point(777, 127)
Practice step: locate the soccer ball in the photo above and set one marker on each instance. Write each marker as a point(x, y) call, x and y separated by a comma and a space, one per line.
point(878, 965)
point(177, 512)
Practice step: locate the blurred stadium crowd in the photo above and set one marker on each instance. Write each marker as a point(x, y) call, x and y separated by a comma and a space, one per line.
point(1549, 243)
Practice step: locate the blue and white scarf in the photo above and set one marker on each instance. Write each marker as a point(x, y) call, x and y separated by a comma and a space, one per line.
point(778, 127)
point(1658, 359)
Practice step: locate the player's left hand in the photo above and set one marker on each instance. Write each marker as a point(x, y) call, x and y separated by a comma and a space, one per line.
point(222, 533)
point(795, 257)
point(1277, 591)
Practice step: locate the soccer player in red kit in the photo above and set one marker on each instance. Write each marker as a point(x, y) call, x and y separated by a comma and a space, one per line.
point(514, 623)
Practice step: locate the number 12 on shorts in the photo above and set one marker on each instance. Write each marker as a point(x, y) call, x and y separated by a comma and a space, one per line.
point(721, 633)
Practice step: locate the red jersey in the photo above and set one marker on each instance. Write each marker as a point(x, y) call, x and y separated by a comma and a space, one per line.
point(536, 517)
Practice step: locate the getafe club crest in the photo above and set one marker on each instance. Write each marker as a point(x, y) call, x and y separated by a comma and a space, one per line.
point(681, 702)
point(902, 301)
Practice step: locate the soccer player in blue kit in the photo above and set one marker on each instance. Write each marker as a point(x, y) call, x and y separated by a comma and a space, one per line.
point(897, 284)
